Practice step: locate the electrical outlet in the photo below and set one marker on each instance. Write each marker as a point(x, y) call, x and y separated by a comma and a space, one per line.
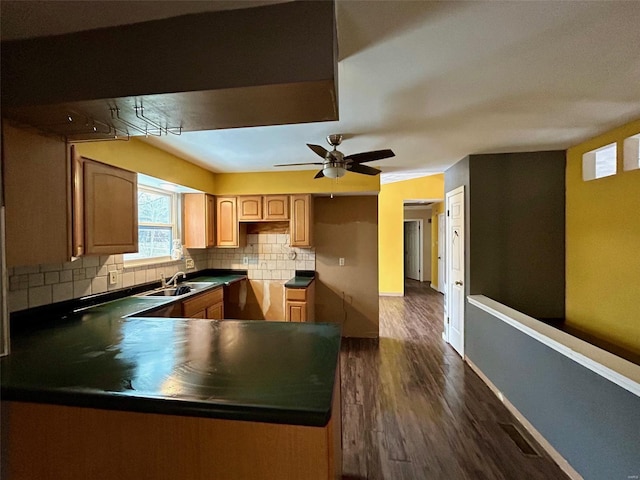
point(190, 263)
point(113, 277)
point(245, 260)
point(341, 261)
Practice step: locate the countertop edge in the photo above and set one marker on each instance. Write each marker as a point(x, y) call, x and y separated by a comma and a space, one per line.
point(164, 406)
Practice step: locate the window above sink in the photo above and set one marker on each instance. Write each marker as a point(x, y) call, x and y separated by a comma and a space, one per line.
point(159, 207)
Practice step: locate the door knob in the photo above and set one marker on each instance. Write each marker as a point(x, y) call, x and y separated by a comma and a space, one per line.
point(458, 282)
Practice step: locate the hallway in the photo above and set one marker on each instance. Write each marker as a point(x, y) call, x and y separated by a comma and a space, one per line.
point(412, 409)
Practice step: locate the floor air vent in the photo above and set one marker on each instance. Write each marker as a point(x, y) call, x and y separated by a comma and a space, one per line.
point(515, 435)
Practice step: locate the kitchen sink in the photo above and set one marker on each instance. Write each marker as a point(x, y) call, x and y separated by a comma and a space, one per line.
point(165, 292)
point(200, 285)
point(182, 289)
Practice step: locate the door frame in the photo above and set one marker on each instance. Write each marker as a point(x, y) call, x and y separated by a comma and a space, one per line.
point(447, 296)
point(420, 246)
point(442, 245)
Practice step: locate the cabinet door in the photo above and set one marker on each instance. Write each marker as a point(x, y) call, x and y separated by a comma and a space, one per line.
point(110, 207)
point(216, 312)
point(296, 312)
point(250, 208)
point(229, 233)
point(301, 223)
point(210, 220)
point(202, 314)
point(37, 185)
point(199, 226)
point(276, 207)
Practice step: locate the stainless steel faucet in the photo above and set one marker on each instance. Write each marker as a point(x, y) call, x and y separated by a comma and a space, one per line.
point(174, 279)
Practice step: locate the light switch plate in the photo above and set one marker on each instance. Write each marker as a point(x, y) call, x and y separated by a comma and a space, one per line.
point(190, 263)
point(341, 261)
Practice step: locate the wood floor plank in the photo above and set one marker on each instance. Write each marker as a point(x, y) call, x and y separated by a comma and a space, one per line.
point(412, 409)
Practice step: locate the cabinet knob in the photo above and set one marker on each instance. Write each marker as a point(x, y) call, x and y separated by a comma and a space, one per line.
point(457, 282)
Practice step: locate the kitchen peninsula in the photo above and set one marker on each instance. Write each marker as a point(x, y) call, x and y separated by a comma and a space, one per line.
point(106, 393)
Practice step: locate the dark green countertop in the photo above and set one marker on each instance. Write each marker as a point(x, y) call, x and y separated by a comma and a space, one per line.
point(103, 357)
point(299, 282)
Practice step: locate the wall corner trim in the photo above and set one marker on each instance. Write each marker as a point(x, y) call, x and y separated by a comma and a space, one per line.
point(623, 373)
point(553, 453)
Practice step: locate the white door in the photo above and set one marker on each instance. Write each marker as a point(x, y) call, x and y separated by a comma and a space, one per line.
point(441, 249)
point(455, 268)
point(412, 250)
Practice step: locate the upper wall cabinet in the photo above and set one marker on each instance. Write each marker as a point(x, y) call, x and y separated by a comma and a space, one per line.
point(37, 186)
point(199, 220)
point(301, 223)
point(229, 232)
point(56, 208)
point(276, 207)
point(105, 208)
point(260, 208)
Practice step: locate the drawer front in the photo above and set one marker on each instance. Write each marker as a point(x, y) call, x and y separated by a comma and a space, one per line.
point(298, 294)
point(201, 302)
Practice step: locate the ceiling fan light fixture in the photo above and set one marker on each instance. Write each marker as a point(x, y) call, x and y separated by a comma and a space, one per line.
point(333, 171)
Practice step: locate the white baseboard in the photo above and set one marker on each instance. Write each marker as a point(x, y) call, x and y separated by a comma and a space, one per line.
point(553, 453)
point(391, 294)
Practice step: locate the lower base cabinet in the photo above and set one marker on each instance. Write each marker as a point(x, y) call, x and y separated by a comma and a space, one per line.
point(299, 304)
point(53, 442)
point(209, 304)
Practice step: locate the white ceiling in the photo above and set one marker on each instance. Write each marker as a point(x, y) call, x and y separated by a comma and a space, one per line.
point(436, 81)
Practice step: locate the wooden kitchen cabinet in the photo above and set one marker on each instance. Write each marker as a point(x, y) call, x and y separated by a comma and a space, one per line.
point(216, 312)
point(300, 304)
point(105, 208)
point(276, 207)
point(209, 304)
point(301, 223)
point(59, 204)
point(258, 208)
point(229, 232)
point(36, 187)
point(199, 220)
point(250, 208)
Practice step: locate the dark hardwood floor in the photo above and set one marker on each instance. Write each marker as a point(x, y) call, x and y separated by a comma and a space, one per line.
point(412, 409)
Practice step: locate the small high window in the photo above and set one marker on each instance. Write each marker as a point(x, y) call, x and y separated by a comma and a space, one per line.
point(599, 163)
point(632, 152)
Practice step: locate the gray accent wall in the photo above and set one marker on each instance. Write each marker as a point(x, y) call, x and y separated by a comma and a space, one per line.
point(514, 253)
point(593, 423)
point(517, 230)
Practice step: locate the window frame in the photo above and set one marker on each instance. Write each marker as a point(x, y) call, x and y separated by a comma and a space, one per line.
point(176, 221)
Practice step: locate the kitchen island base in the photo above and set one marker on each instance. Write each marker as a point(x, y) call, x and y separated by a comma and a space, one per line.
point(53, 442)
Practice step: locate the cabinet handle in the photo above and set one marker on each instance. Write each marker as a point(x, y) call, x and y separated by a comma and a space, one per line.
point(458, 282)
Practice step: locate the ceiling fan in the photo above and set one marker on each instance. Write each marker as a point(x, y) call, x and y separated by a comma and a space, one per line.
point(336, 164)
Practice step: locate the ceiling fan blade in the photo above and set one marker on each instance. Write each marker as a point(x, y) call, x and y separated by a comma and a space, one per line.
point(318, 149)
point(320, 174)
point(370, 156)
point(297, 164)
point(357, 168)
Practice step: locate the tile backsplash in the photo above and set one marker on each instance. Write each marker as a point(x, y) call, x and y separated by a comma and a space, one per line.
point(268, 257)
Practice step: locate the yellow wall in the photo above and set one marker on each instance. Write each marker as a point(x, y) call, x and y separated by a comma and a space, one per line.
point(141, 157)
point(301, 181)
point(603, 247)
point(391, 229)
point(436, 209)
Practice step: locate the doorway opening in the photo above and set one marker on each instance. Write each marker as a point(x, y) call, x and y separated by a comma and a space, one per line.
point(417, 239)
point(413, 246)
